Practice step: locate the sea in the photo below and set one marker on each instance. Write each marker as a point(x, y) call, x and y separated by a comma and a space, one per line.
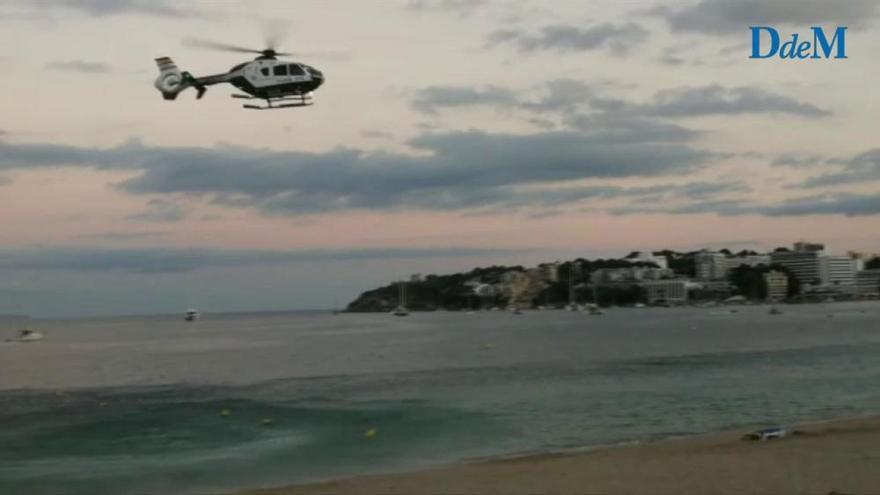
point(141, 405)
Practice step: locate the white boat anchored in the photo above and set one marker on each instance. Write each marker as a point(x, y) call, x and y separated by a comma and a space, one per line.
point(593, 309)
point(192, 315)
point(400, 310)
point(572, 304)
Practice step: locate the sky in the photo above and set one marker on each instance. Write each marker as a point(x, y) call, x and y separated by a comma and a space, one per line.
point(449, 134)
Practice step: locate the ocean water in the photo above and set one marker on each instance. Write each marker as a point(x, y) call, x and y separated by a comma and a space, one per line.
point(156, 405)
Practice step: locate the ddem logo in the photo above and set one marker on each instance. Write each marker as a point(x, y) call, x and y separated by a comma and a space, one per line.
point(819, 48)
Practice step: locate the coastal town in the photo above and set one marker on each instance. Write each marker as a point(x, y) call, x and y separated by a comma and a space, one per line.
point(806, 272)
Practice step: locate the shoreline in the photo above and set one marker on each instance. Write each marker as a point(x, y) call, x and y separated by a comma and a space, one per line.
point(822, 457)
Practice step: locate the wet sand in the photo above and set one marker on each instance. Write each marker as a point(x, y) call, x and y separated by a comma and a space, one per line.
point(841, 457)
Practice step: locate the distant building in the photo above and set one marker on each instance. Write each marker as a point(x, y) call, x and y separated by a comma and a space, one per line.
point(777, 285)
point(752, 260)
point(838, 270)
point(809, 247)
point(666, 291)
point(549, 271)
point(631, 274)
point(647, 257)
point(868, 282)
point(862, 257)
point(510, 276)
point(710, 290)
point(805, 266)
point(711, 265)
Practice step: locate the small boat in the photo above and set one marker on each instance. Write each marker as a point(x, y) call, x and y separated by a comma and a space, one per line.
point(572, 305)
point(191, 315)
point(400, 310)
point(593, 309)
point(775, 311)
point(28, 335)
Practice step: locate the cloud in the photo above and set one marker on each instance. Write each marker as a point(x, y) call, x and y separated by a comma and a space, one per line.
point(721, 17)
point(79, 66)
point(429, 99)
point(557, 95)
point(159, 8)
point(839, 204)
point(453, 170)
point(622, 128)
point(123, 236)
point(567, 96)
point(842, 204)
point(619, 39)
point(372, 134)
point(718, 100)
point(864, 167)
point(704, 190)
point(461, 7)
point(562, 95)
point(161, 210)
point(176, 260)
point(799, 160)
point(673, 56)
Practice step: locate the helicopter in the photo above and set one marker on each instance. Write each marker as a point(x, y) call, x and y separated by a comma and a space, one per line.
point(282, 84)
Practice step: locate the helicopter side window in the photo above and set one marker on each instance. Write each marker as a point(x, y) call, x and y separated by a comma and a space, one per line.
point(280, 70)
point(265, 71)
point(296, 70)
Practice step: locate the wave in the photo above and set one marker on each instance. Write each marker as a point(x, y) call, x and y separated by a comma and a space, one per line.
point(98, 442)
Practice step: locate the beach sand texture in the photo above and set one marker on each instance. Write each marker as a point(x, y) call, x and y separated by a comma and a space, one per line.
point(841, 457)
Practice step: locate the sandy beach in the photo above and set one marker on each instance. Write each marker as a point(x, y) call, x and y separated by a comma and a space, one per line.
point(841, 457)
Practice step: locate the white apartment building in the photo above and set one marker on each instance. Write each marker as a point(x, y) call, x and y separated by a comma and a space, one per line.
point(806, 266)
point(868, 281)
point(711, 265)
point(673, 290)
point(838, 270)
point(633, 274)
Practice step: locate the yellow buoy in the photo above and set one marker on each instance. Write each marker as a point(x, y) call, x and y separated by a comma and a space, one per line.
point(224, 412)
point(266, 422)
point(370, 433)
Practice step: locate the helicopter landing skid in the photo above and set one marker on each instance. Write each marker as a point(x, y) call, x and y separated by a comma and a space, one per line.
point(278, 103)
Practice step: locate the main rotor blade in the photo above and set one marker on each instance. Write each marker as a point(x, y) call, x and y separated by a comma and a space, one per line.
point(274, 32)
point(213, 45)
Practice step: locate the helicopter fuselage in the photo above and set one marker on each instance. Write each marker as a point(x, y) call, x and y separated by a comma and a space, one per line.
point(271, 78)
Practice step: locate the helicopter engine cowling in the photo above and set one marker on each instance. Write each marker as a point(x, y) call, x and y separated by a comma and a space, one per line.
point(171, 80)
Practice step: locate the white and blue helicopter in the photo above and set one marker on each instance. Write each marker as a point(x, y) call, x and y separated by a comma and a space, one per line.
point(281, 83)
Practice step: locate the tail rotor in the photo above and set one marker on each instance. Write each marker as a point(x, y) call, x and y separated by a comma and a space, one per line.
point(171, 80)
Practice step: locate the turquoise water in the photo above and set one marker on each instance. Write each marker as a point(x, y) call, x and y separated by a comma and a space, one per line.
point(136, 405)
